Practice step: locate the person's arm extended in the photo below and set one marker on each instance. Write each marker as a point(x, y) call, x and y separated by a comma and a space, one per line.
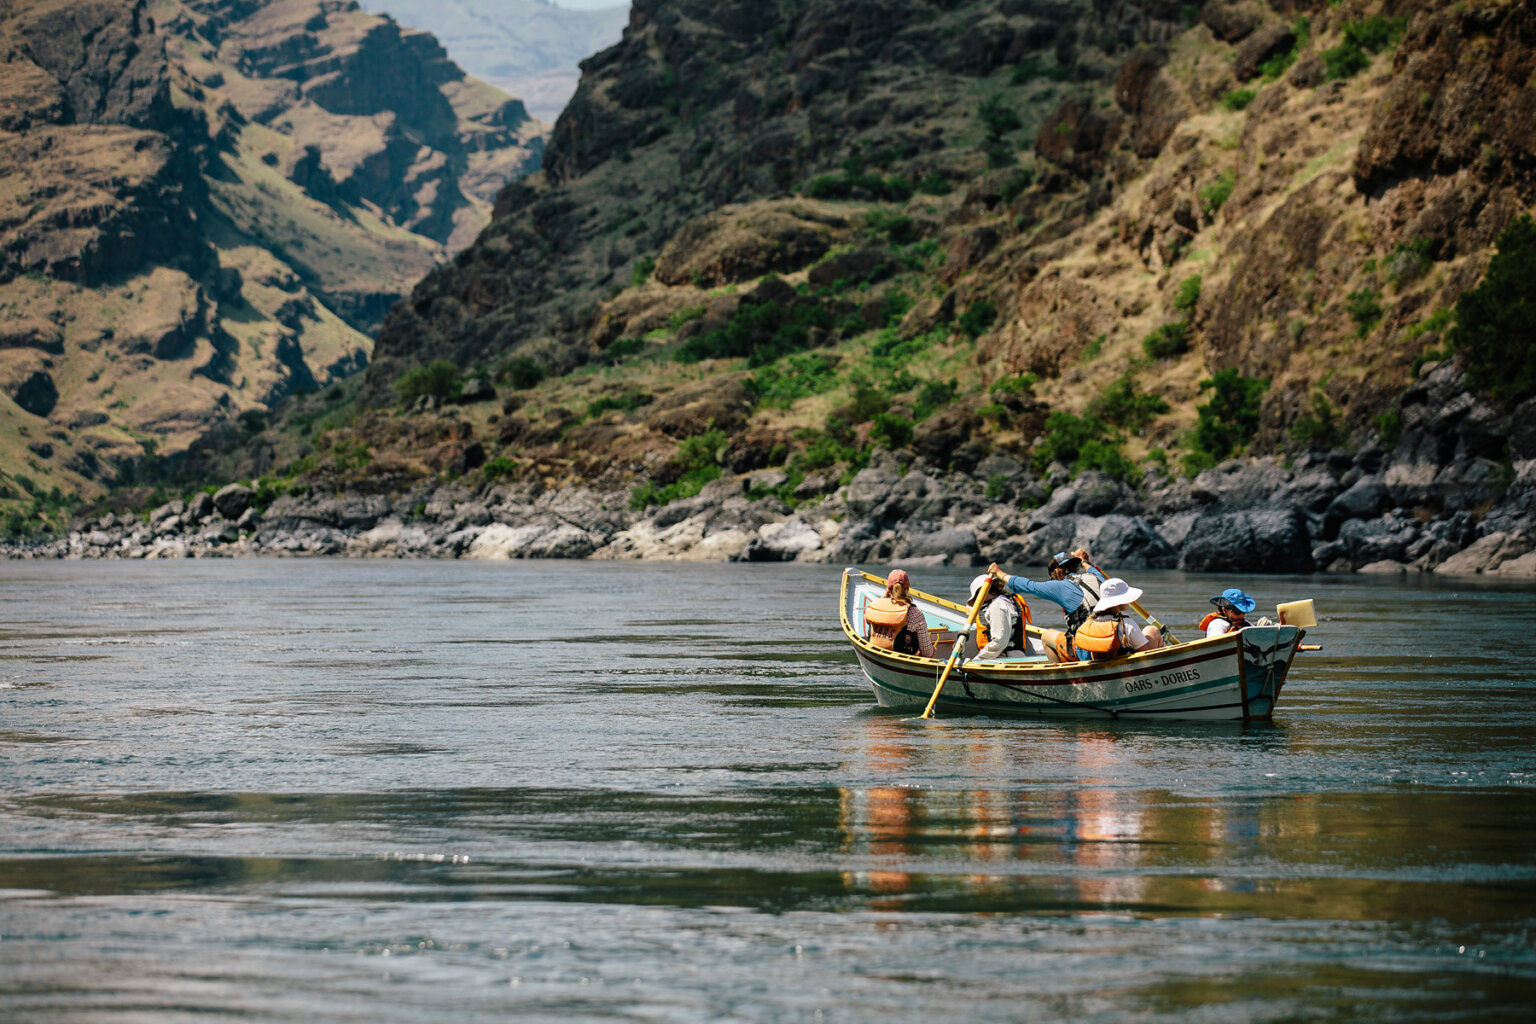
point(1062, 592)
point(998, 628)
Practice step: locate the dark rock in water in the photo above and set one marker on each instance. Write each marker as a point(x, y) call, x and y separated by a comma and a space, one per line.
point(1115, 542)
point(232, 500)
point(1313, 490)
point(1099, 494)
point(1248, 541)
point(1236, 483)
point(784, 545)
point(200, 508)
point(1365, 499)
point(1374, 540)
point(955, 547)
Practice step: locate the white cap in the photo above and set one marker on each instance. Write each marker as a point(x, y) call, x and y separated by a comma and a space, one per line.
point(977, 584)
point(1114, 593)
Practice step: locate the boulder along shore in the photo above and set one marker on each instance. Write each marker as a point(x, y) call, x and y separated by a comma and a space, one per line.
point(1455, 495)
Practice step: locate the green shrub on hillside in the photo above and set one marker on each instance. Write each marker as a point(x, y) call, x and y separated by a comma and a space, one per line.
point(1362, 38)
point(793, 377)
point(497, 468)
point(1495, 329)
point(898, 227)
point(1188, 295)
point(522, 372)
point(1126, 406)
point(625, 347)
point(697, 462)
point(935, 184)
point(685, 315)
point(1277, 65)
point(978, 319)
point(627, 402)
point(997, 117)
point(1169, 341)
point(1082, 443)
point(850, 186)
point(1215, 194)
point(891, 430)
point(1032, 68)
point(644, 266)
point(1364, 310)
point(760, 333)
point(1017, 182)
point(439, 379)
point(1238, 99)
point(1319, 427)
point(1231, 418)
point(934, 395)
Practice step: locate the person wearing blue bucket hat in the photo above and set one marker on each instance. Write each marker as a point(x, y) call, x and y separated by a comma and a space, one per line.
point(1232, 605)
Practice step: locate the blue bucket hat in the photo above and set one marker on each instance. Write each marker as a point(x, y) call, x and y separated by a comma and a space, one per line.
point(1237, 599)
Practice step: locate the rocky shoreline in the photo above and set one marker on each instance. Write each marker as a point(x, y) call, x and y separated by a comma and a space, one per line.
point(1439, 501)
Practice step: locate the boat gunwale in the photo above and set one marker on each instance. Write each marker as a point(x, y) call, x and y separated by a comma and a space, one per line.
point(1072, 671)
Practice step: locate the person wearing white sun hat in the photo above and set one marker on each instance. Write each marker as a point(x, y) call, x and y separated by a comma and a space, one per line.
point(1108, 633)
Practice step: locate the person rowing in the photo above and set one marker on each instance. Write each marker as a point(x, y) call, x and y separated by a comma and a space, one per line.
point(1072, 586)
point(1000, 626)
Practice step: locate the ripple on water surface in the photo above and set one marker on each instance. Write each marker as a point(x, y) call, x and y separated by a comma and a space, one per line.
point(389, 791)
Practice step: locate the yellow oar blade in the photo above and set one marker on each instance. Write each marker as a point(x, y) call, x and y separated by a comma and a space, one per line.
point(959, 644)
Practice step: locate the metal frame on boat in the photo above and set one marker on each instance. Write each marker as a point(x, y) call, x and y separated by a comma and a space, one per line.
point(1237, 676)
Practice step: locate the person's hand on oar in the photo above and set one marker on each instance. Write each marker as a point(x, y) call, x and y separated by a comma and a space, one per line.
point(970, 621)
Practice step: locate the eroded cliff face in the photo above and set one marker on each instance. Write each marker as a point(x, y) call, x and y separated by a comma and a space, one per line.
point(208, 205)
point(706, 104)
point(1256, 187)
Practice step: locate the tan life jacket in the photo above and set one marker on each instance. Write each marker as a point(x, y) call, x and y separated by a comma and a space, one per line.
point(1100, 638)
point(883, 619)
point(1015, 642)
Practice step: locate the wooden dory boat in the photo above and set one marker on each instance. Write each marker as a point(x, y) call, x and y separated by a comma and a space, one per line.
point(1237, 676)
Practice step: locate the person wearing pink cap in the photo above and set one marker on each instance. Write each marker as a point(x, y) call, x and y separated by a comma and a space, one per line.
point(913, 637)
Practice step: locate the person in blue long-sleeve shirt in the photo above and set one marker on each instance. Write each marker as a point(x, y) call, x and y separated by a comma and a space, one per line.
point(1073, 585)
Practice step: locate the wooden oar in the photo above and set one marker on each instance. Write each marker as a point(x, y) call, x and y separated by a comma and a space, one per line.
point(1167, 634)
point(959, 646)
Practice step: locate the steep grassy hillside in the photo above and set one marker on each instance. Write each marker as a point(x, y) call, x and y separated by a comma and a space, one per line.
point(206, 206)
point(1099, 237)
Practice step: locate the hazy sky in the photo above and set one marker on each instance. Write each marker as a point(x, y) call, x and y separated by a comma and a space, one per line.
point(589, 5)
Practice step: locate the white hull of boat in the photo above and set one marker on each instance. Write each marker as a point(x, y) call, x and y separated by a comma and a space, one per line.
point(1234, 677)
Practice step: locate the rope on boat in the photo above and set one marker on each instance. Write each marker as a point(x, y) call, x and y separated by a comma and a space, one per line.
point(1111, 712)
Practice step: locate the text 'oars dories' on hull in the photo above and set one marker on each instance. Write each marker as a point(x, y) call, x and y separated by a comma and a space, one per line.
point(1233, 677)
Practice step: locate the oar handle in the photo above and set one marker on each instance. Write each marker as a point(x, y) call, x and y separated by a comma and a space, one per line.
point(1167, 633)
point(959, 646)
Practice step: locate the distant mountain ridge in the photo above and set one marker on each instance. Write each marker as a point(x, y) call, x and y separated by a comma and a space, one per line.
point(207, 205)
point(529, 48)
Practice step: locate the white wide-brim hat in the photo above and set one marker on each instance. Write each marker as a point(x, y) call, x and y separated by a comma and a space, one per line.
point(1114, 593)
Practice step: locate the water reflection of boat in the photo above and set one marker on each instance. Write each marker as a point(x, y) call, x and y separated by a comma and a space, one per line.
point(1236, 676)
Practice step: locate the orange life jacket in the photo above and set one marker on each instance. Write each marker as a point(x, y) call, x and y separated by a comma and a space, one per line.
point(1100, 638)
point(885, 618)
point(1015, 642)
point(1237, 624)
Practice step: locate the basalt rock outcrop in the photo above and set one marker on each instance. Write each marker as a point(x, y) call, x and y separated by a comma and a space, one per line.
point(1326, 511)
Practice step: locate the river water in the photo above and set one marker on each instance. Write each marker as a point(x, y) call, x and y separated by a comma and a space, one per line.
point(395, 791)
